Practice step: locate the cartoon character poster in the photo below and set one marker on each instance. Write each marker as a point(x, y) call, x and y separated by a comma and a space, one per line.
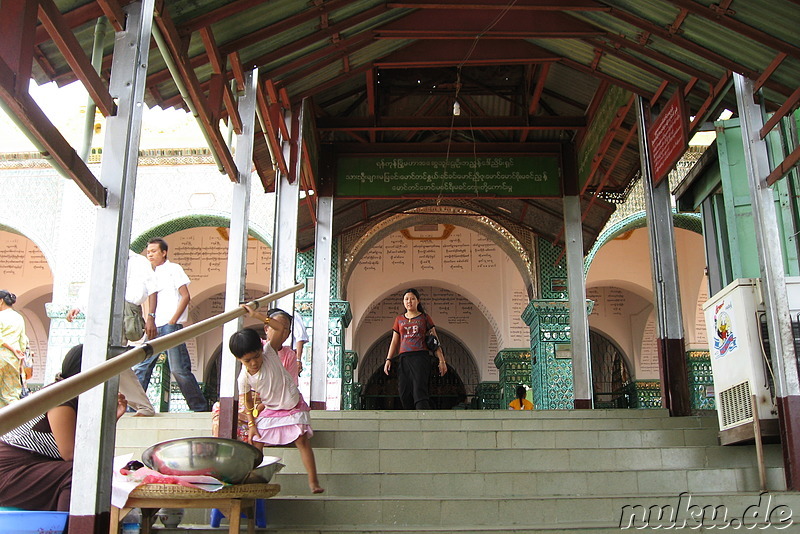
point(724, 331)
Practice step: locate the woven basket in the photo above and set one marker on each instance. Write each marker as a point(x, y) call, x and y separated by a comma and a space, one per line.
point(175, 491)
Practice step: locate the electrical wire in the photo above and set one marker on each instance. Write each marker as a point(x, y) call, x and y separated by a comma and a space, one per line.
point(472, 47)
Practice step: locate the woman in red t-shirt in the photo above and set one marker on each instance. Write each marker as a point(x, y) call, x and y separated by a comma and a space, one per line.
point(408, 338)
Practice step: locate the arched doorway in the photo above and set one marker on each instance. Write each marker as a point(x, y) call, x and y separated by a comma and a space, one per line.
point(380, 391)
point(610, 374)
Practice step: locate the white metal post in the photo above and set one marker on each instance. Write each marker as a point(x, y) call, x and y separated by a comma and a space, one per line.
point(322, 299)
point(237, 250)
point(96, 425)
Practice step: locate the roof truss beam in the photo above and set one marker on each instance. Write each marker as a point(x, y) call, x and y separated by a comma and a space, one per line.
point(32, 120)
point(164, 29)
point(69, 47)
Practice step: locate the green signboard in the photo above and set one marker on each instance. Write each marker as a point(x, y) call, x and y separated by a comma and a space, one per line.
point(424, 176)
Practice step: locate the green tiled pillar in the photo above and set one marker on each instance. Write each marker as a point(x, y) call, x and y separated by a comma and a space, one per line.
point(489, 396)
point(515, 369)
point(351, 392)
point(551, 377)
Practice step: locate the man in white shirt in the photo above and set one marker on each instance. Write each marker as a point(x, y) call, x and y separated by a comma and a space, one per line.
point(171, 313)
point(140, 286)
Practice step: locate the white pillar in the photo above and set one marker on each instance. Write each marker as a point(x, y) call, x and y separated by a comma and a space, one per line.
point(323, 243)
point(578, 319)
point(96, 425)
point(237, 251)
point(287, 195)
point(773, 279)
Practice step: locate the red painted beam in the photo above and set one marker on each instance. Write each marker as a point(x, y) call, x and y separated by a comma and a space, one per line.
point(289, 23)
point(316, 37)
point(466, 24)
point(456, 123)
point(17, 21)
point(270, 129)
point(505, 5)
point(785, 166)
point(694, 48)
point(71, 49)
point(113, 12)
point(712, 96)
point(622, 42)
point(787, 107)
point(636, 62)
point(598, 74)
point(39, 128)
point(739, 27)
point(428, 53)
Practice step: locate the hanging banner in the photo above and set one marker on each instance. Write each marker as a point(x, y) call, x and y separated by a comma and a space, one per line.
point(424, 176)
point(668, 137)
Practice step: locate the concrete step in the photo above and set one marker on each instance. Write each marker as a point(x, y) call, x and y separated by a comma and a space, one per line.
point(529, 460)
point(542, 483)
point(540, 512)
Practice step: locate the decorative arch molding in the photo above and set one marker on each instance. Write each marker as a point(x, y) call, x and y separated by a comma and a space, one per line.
point(27, 233)
point(686, 221)
point(498, 234)
point(189, 221)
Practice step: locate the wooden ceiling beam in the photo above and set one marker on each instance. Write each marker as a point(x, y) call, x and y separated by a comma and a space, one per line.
point(323, 34)
point(520, 5)
point(787, 107)
point(78, 17)
point(615, 81)
point(456, 123)
point(219, 69)
point(176, 49)
point(68, 45)
point(622, 42)
point(114, 13)
point(32, 120)
point(636, 62)
point(541, 78)
point(715, 94)
point(270, 31)
point(17, 21)
point(269, 127)
point(215, 15)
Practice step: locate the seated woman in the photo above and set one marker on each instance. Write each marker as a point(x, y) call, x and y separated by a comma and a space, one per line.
point(36, 458)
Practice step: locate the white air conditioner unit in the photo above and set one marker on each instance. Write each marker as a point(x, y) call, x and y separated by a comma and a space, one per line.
point(738, 364)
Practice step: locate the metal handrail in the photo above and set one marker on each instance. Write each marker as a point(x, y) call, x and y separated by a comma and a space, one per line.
point(18, 413)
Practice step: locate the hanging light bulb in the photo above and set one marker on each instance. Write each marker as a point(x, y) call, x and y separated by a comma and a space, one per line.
point(456, 108)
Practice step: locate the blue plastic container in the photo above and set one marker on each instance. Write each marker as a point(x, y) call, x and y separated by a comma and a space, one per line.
point(27, 522)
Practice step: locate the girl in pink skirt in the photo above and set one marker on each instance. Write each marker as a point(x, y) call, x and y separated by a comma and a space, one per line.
point(282, 416)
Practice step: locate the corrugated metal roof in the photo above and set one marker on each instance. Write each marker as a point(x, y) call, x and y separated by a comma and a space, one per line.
point(325, 50)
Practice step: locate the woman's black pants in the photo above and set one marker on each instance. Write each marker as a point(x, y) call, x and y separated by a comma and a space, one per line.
point(413, 376)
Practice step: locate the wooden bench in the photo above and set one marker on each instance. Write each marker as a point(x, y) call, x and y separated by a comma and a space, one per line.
point(231, 500)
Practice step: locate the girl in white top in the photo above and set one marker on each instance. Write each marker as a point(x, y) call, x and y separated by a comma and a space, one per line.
point(282, 416)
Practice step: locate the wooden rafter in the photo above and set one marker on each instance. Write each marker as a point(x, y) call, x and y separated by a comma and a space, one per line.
point(694, 48)
point(113, 12)
point(218, 67)
point(785, 166)
point(300, 44)
point(787, 107)
point(41, 131)
point(169, 33)
point(269, 128)
point(718, 17)
point(714, 95)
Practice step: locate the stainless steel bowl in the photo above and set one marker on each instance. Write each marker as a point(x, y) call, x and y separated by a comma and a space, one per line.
point(263, 473)
point(226, 459)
